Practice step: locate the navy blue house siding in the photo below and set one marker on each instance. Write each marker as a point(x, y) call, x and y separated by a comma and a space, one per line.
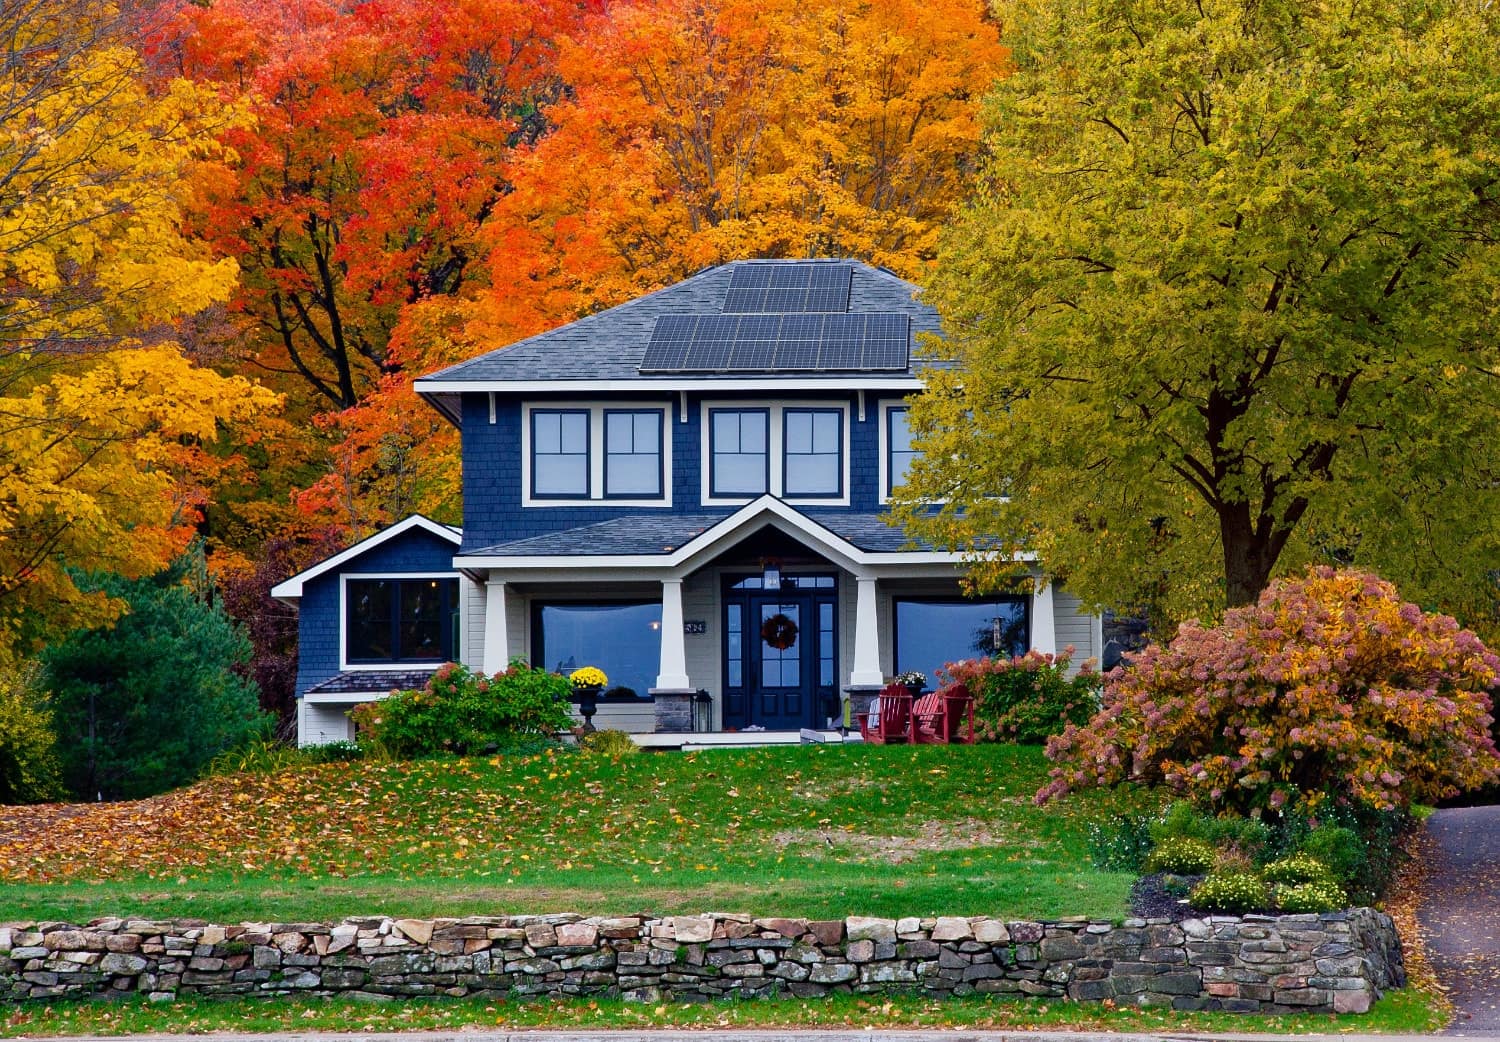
point(492, 466)
point(413, 552)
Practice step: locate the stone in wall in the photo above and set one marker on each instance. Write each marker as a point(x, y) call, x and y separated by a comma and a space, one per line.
point(1337, 962)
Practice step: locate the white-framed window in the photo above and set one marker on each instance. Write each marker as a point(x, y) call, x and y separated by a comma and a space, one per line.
point(812, 452)
point(398, 621)
point(582, 453)
point(896, 452)
point(797, 451)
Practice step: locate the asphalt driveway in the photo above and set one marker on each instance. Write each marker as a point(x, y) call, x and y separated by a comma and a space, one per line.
point(1460, 915)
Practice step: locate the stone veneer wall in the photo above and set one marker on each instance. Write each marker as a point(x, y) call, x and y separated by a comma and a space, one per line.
point(1337, 962)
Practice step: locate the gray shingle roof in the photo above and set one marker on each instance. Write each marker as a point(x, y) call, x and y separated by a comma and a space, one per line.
point(664, 533)
point(373, 682)
point(612, 344)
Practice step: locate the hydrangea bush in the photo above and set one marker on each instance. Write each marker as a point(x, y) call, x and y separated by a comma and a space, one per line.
point(1026, 699)
point(1330, 686)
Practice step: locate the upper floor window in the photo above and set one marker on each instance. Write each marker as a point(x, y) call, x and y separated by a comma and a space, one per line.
point(898, 450)
point(585, 452)
point(813, 442)
point(739, 447)
point(632, 453)
point(391, 621)
point(560, 453)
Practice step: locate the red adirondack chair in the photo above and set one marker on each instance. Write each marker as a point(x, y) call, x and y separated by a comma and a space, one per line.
point(889, 722)
point(944, 717)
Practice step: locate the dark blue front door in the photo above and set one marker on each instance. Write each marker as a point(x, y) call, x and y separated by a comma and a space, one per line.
point(780, 651)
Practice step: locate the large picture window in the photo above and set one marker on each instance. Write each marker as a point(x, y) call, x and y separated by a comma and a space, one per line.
point(739, 450)
point(898, 453)
point(632, 453)
point(623, 638)
point(400, 620)
point(931, 632)
point(560, 453)
point(813, 443)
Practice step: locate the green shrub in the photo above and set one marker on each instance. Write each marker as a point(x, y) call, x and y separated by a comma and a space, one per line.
point(29, 767)
point(1248, 836)
point(1121, 845)
point(332, 752)
point(1182, 855)
point(1024, 700)
point(261, 756)
point(613, 744)
point(146, 704)
point(1233, 893)
point(1338, 849)
point(463, 712)
point(1295, 870)
point(1316, 895)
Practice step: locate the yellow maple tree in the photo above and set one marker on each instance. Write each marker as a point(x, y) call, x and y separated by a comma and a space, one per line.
point(101, 415)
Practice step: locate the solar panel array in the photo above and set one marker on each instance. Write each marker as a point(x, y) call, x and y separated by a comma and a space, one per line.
point(777, 343)
point(788, 289)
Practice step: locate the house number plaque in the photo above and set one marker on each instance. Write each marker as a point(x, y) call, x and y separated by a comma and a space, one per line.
point(692, 626)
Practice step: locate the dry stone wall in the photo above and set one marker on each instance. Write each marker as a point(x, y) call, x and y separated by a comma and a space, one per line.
point(1336, 962)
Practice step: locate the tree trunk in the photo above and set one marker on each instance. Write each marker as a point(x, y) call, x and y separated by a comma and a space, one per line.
point(1249, 555)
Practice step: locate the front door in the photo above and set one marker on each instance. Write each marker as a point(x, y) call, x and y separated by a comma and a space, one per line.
point(780, 653)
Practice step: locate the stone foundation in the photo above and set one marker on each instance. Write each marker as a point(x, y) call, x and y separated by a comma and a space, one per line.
point(1338, 962)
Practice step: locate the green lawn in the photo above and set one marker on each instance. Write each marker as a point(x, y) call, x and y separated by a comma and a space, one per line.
point(814, 831)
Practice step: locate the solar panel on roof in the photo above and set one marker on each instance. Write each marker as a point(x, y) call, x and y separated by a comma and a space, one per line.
point(778, 343)
point(788, 288)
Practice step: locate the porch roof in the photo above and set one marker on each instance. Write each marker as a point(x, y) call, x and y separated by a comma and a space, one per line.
point(372, 681)
point(645, 535)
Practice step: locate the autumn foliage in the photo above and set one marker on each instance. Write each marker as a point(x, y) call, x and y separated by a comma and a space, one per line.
point(1329, 687)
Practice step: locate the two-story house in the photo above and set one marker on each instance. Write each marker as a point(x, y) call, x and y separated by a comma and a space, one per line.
point(690, 492)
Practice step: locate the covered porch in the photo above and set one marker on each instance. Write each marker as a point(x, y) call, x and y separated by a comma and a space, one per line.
point(766, 620)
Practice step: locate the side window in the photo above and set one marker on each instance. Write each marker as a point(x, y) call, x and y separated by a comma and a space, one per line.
point(560, 453)
point(813, 442)
point(632, 453)
point(899, 453)
point(401, 620)
point(740, 458)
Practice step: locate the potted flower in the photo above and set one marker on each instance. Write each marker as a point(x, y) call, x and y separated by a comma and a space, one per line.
point(587, 683)
point(914, 680)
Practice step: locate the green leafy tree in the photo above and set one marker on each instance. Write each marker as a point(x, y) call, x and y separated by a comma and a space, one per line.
point(1226, 299)
point(142, 706)
point(28, 746)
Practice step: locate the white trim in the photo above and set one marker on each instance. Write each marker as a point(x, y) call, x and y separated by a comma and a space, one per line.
point(596, 411)
point(1043, 619)
point(644, 386)
point(775, 449)
point(291, 589)
point(343, 632)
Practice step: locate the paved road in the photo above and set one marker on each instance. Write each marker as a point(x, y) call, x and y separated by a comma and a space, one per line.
point(764, 1035)
point(1460, 915)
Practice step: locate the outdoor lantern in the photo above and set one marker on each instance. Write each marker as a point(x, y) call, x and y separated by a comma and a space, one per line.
point(703, 711)
point(770, 577)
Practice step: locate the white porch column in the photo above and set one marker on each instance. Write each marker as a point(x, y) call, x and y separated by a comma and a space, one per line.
point(1043, 622)
point(673, 670)
point(866, 671)
point(496, 635)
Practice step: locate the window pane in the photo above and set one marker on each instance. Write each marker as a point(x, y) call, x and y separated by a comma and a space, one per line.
point(623, 639)
point(799, 432)
point(632, 460)
point(423, 619)
point(560, 453)
point(575, 432)
point(930, 634)
point(401, 620)
point(901, 454)
point(561, 475)
point(813, 457)
point(738, 466)
point(369, 607)
point(781, 667)
point(735, 650)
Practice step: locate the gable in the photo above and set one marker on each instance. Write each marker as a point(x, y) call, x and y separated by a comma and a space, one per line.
point(417, 544)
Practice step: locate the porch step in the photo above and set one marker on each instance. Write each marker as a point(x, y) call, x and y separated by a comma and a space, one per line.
point(739, 739)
